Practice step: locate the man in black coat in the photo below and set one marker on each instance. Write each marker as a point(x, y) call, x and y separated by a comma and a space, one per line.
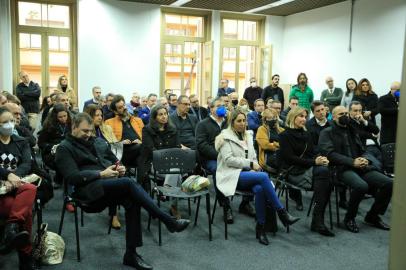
point(293, 103)
point(29, 92)
point(343, 147)
point(388, 106)
point(318, 122)
point(185, 123)
point(88, 164)
point(198, 111)
point(252, 93)
point(206, 133)
point(274, 91)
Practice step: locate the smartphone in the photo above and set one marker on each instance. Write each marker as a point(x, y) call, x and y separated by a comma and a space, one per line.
point(117, 164)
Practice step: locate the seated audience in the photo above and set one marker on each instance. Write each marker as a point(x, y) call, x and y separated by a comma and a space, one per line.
point(293, 103)
point(173, 103)
point(184, 123)
point(238, 169)
point(206, 132)
point(128, 129)
point(273, 91)
point(107, 112)
point(277, 105)
point(351, 85)
point(164, 102)
point(134, 105)
point(252, 93)
point(198, 111)
point(343, 146)
point(104, 132)
point(268, 140)
point(45, 108)
point(233, 99)
point(243, 106)
point(367, 98)
point(88, 164)
point(254, 117)
point(305, 169)
point(16, 205)
point(388, 106)
point(144, 112)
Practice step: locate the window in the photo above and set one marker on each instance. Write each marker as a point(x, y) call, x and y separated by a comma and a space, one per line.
point(240, 47)
point(182, 52)
point(45, 42)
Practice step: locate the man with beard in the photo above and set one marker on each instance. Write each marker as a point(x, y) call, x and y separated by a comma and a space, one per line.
point(274, 91)
point(128, 129)
point(197, 110)
point(96, 91)
point(344, 149)
point(302, 91)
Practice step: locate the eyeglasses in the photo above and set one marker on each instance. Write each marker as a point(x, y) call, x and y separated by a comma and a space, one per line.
point(342, 113)
point(186, 104)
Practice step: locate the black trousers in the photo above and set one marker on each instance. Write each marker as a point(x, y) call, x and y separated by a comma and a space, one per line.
point(128, 193)
point(360, 182)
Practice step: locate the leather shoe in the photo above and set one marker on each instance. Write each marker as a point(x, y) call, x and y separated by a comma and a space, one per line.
point(135, 260)
point(178, 225)
point(246, 209)
point(14, 238)
point(321, 229)
point(228, 215)
point(351, 225)
point(376, 222)
point(286, 218)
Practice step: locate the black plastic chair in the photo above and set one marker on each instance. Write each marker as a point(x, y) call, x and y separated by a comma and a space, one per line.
point(76, 203)
point(388, 158)
point(177, 161)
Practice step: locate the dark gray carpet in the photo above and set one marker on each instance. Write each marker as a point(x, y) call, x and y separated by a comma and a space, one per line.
point(300, 249)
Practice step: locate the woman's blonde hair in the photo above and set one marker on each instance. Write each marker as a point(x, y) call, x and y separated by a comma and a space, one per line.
point(290, 119)
point(231, 116)
point(268, 113)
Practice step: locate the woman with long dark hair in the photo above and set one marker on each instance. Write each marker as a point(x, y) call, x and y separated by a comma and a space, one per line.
point(237, 168)
point(351, 85)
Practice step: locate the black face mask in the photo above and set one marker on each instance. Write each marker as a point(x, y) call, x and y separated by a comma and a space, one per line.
point(271, 123)
point(235, 102)
point(344, 120)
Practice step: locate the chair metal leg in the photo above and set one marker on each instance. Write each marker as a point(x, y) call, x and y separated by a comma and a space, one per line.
point(225, 221)
point(81, 218)
point(110, 224)
point(77, 233)
point(337, 208)
point(159, 224)
point(330, 213)
point(214, 210)
point(197, 210)
point(208, 214)
point(189, 208)
point(62, 216)
point(311, 205)
point(287, 205)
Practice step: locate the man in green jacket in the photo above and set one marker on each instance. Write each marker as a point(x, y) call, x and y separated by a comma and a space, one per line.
point(302, 91)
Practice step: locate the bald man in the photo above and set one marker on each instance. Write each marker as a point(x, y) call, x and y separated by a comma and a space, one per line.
point(332, 95)
point(344, 149)
point(388, 106)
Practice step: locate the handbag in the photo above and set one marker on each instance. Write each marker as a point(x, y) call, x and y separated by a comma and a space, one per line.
point(195, 183)
point(49, 247)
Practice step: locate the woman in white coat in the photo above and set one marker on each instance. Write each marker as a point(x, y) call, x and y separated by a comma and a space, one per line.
point(237, 168)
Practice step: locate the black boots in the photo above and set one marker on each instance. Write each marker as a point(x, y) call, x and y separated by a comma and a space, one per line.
point(26, 262)
point(133, 259)
point(318, 225)
point(14, 238)
point(286, 218)
point(177, 225)
point(261, 235)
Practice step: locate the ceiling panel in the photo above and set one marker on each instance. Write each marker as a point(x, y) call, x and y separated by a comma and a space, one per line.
point(298, 6)
point(158, 2)
point(228, 5)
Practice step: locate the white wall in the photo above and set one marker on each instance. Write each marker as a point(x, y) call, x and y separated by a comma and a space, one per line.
point(316, 42)
point(118, 47)
point(274, 31)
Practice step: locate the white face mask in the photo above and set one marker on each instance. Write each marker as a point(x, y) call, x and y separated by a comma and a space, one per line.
point(7, 129)
point(254, 84)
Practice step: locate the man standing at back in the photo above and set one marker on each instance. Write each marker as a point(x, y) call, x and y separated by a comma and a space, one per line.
point(224, 90)
point(274, 91)
point(252, 93)
point(388, 108)
point(302, 91)
point(29, 92)
point(332, 95)
point(96, 91)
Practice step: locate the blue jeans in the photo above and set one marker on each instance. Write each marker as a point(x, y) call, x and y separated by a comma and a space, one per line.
point(260, 184)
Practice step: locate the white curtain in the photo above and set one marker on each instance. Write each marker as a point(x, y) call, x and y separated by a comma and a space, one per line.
point(6, 68)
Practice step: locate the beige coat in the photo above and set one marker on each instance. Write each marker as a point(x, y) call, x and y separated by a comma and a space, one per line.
point(231, 159)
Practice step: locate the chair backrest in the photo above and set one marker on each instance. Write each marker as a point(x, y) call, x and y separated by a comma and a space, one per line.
point(388, 156)
point(174, 161)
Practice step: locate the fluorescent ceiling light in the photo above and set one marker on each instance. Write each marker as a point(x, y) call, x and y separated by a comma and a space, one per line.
point(179, 3)
point(274, 4)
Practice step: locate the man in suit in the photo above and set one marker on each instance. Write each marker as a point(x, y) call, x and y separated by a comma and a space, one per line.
point(96, 91)
point(198, 111)
point(344, 149)
point(332, 95)
point(388, 106)
point(88, 164)
point(224, 90)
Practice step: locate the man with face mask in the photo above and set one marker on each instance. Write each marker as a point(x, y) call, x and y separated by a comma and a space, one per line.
point(206, 133)
point(233, 99)
point(274, 91)
point(343, 147)
point(388, 106)
point(197, 110)
point(88, 164)
point(252, 93)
